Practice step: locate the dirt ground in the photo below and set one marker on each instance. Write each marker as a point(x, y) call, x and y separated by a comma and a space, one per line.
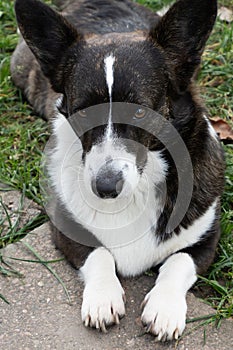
point(40, 316)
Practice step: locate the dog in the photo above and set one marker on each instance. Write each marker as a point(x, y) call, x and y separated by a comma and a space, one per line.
point(125, 179)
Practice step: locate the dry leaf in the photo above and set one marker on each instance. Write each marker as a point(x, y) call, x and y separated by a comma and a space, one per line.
point(223, 129)
point(225, 14)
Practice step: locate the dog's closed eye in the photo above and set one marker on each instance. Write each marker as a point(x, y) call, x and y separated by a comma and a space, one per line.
point(140, 113)
point(82, 113)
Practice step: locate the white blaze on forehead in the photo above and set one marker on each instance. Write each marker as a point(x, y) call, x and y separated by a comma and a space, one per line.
point(109, 62)
point(109, 70)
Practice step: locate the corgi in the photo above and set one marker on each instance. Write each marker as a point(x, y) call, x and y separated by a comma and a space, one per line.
point(122, 180)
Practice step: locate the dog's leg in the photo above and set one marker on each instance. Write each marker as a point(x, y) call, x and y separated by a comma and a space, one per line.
point(165, 305)
point(103, 297)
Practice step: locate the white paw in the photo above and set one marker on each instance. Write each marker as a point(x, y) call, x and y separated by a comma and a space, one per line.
point(164, 313)
point(103, 303)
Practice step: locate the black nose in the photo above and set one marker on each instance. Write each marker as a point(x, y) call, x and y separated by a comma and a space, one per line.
point(108, 184)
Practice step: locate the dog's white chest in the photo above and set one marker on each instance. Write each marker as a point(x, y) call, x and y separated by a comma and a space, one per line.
point(136, 257)
point(147, 251)
point(130, 235)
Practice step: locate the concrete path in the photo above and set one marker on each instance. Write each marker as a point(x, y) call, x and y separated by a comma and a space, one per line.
point(39, 315)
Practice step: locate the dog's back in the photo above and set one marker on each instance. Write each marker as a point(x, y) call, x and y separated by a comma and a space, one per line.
point(105, 16)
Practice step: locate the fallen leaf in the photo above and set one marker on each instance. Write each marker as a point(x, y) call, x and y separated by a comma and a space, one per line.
point(223, 129)
point(225, 14)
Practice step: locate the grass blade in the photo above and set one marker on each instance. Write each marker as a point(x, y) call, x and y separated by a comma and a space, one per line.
point(50, 270)
point(4, 299)
point(37, 261)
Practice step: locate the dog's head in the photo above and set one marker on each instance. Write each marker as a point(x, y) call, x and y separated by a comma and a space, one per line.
point(151, 69)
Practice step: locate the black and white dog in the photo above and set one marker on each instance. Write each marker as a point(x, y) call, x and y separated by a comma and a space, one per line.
point(102, 51)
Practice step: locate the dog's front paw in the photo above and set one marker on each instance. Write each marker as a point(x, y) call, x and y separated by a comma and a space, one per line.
point(103, 304)
point(164, 313)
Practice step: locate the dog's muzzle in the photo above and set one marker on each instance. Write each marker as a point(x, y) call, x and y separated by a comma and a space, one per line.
point(108, 183)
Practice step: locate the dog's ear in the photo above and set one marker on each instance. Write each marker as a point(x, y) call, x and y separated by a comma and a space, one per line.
point(182, 33)
point(47, 34)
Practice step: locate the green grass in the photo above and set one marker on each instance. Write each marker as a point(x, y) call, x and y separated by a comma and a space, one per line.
point(23, 136)
point(155, 5)
point(217, 72)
